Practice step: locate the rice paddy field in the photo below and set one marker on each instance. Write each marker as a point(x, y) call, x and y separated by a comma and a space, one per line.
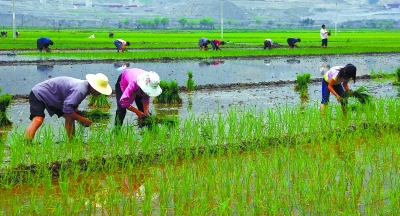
point(286, 159)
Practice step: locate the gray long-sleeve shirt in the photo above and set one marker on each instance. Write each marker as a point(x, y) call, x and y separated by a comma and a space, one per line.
point(62, 93)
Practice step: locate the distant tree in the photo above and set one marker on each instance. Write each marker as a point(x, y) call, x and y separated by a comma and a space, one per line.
point(235, 24)
point(258, 21)
point(165, 22)
point(183, 21)
point(229, 22)
point(270, 22)
point(126, 22)
point(120, 23)
point(193, 23)
point(207, 22)
point(157, 21)
point(307, 21)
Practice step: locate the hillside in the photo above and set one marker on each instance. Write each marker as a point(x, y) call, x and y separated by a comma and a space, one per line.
point(243, 13)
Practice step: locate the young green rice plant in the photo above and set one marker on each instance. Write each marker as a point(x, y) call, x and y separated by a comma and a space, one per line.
point(302, 81)
point(5, 101)
point(362, 94)
point(397, 82)
point(152, 122)
point(170, 93)
point(190, 86)
point(96, 115)
point(99, 101)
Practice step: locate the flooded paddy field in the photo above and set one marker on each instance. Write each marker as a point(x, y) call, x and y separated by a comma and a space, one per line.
point(315, 169)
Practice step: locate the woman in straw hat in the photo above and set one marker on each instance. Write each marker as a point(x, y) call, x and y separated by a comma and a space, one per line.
point(137, 85)
point(62, 96)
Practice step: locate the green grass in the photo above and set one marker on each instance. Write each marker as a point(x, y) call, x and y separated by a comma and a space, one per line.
point(183, 44)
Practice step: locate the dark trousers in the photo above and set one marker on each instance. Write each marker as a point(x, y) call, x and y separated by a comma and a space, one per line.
point(325, 42)
point(121, 112)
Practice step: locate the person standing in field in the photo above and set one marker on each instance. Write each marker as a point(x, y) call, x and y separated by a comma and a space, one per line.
point(121, 44)
point(62, 96)
point(43, 43)
point(324, 36)
point(137, 85)
point(203, 43)
point(216, 44)
point(268, 43)
point(335, 81)
point(292, 42)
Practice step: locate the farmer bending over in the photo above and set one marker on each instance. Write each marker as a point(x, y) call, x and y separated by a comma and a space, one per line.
point(121, 44)
point(137, 85)
point(43, 44)
point(62, 96)
point(292, 42)
point(335, 81)
point(268, 43)
point(216, 43)
point(203, 43)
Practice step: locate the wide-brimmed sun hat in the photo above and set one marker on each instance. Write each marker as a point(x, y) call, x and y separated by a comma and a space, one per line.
point(149, 82)
point(100, 83)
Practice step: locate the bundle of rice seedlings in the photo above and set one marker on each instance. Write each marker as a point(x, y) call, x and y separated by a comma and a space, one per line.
point(190, 82)
point(99, 101)
point(96, 115)
point(170, 93)
point(5, 101)
point(151, 121)
point(361, 94)
point(397, 82)
point(302, 81)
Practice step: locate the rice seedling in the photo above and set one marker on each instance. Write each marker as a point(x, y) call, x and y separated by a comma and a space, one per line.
point(362, 94)
point(153, 121)
point(170, 93)
point(96, 115)
point(397, 82)
point(5, 102)
point(302, 81)
point(99, 101)
point(190, 86)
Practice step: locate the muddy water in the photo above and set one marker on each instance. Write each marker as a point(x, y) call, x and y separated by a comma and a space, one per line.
point(20, 79)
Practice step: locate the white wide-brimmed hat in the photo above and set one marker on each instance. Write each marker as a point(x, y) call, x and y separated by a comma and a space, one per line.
point(149, 82)
point(100, 83)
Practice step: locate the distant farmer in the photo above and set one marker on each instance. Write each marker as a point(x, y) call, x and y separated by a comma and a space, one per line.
point(43, 44)
point(292, 42)
point(4, 34)
point(62, 96)
point(216, 44)
point(111, 35)
point(120, 44)
point(137, 85)
point(336, 81)
point(268, 43)
point(17, 34)
point(203, 43)
point(324, 36)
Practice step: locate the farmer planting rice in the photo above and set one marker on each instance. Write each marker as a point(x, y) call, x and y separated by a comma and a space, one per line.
point(137, 85)
point(216, 44)
point(292, 42)
point(121, 44)
point(43, 44)
point(203, 43)
point(62, 96)
point(336, 81)
point(268, 43)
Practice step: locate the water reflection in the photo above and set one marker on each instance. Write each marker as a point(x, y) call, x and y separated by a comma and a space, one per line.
point(45, 68)
point(267, 62)
point(121, 65)
point(210, 63)
point(293, 61)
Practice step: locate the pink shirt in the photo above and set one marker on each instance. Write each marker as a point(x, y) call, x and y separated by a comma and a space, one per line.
point(130, 89)
point(217, 42)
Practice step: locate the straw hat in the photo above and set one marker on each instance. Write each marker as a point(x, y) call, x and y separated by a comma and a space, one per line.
point(99, 82)
point(149, 82)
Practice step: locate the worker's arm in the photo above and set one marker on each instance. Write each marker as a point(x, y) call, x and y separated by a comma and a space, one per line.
point(330, 87)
